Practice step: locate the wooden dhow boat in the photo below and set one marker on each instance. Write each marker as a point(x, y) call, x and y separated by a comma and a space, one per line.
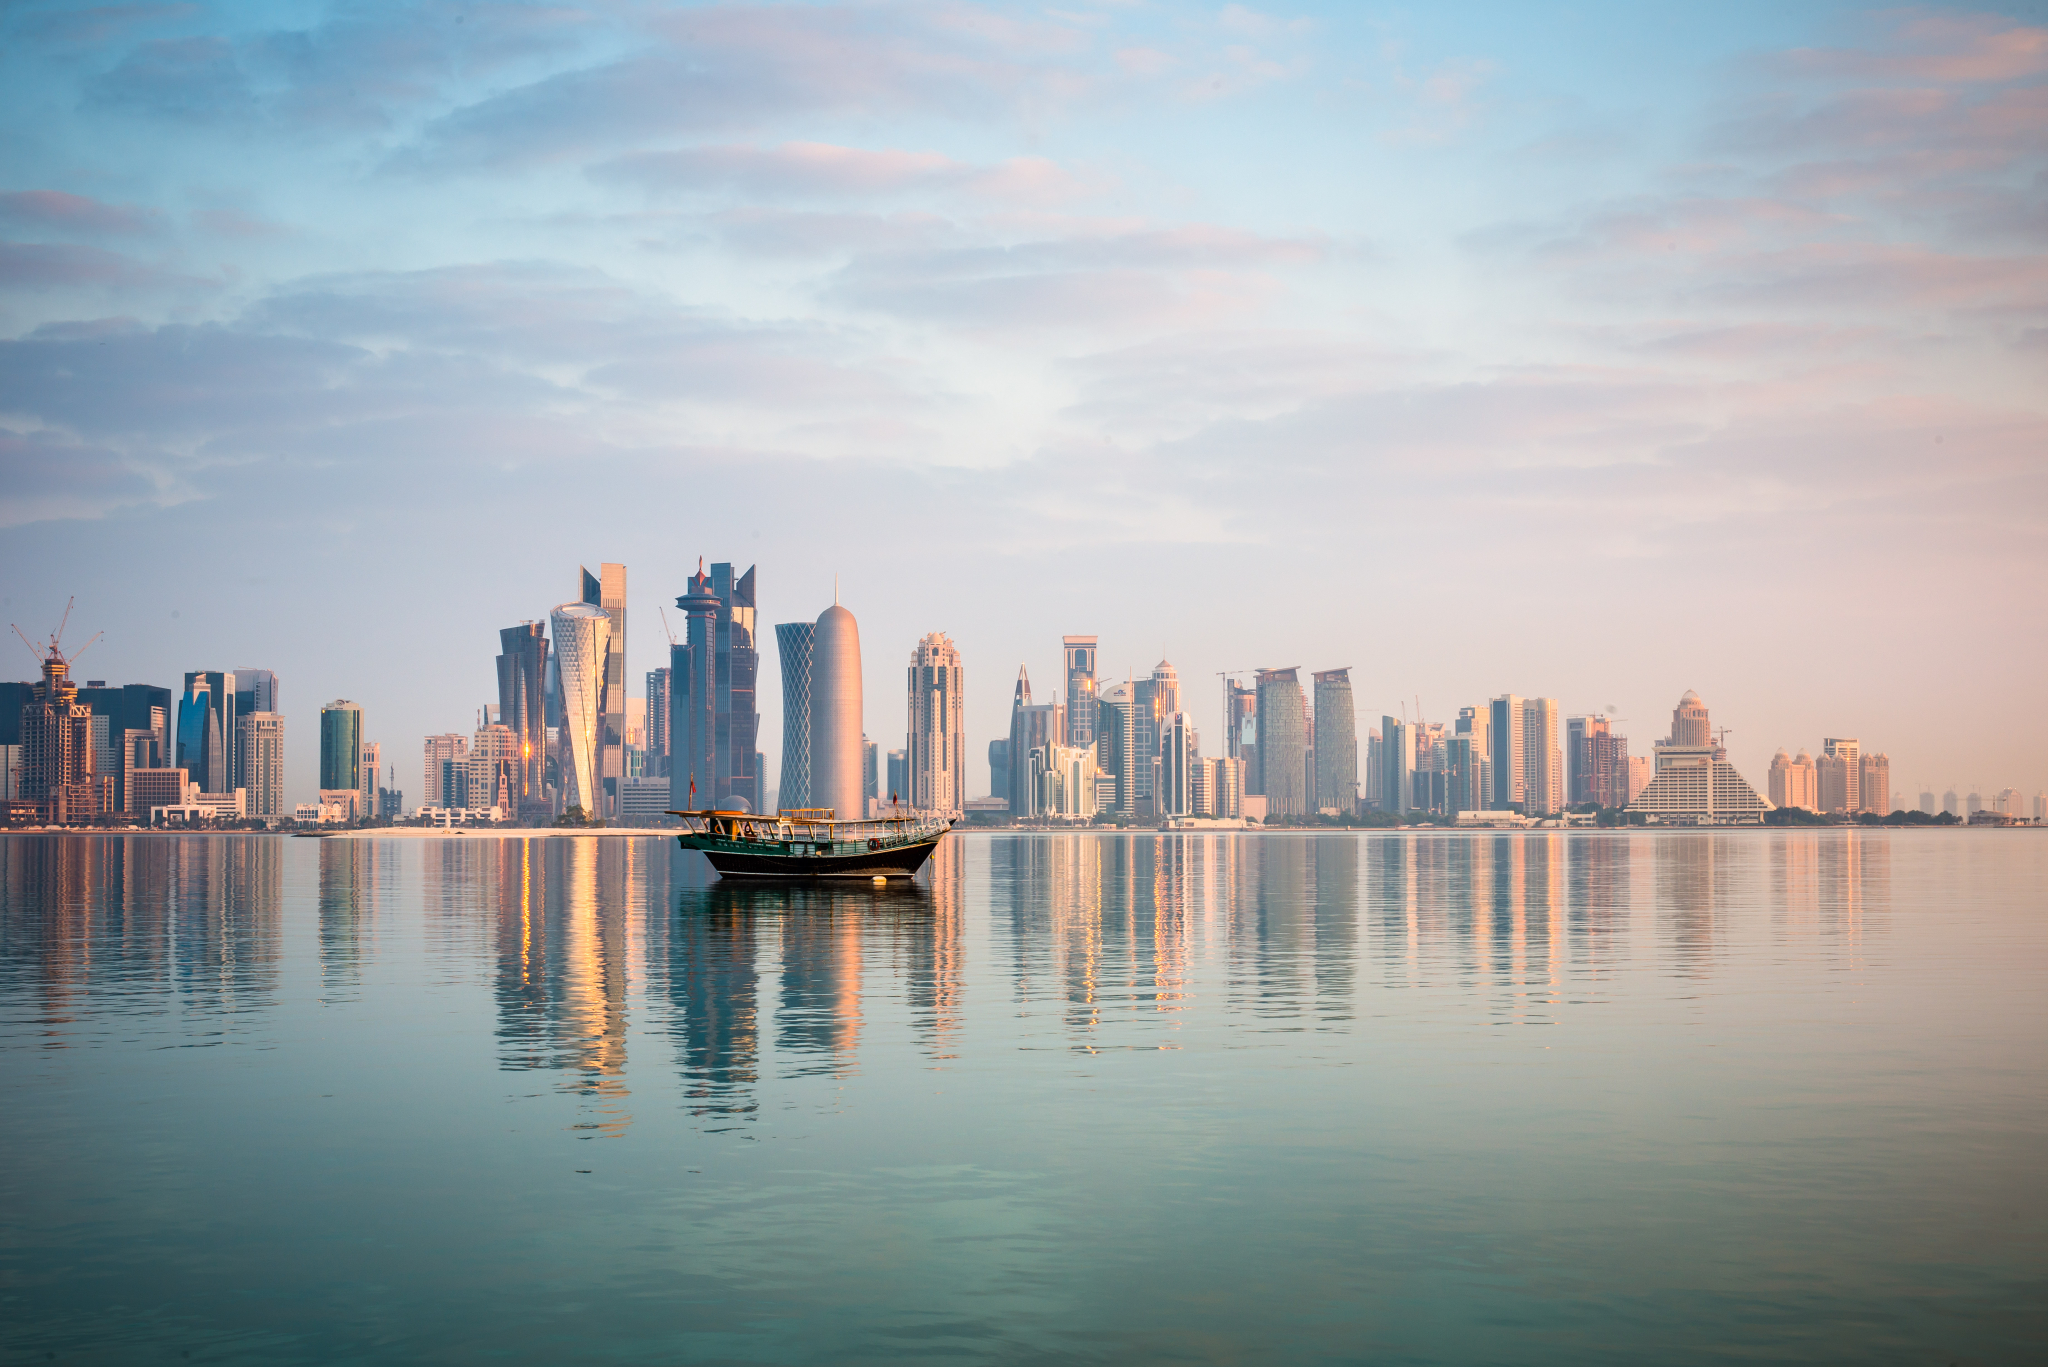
point(811, 842)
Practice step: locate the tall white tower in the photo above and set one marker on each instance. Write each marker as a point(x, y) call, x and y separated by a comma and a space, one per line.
point(582, 641)
point(836, 759)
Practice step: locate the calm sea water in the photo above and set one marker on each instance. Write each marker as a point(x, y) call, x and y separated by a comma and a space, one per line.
point(1757, 1097)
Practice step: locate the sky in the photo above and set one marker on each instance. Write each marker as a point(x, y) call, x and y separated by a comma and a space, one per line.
point(1588, 351)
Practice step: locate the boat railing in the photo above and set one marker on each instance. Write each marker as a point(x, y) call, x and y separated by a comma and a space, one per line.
point(813, 825)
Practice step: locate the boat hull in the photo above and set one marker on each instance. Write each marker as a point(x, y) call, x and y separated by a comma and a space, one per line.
point(898, 861)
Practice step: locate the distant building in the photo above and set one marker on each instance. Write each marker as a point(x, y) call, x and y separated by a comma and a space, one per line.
point(1465, 771)
point(1640, 772)
point(1062, 782)
point(1032, 726)
point(371, 770)
point(1694, 784)
point(838, 742)
point(206, 728)
point(1596, 767)
point(999, 770)
point(644, 801)
point(1507, 738)
point(715, 724)
point(870, 769)
point(1078, 653)
point(1241, 729)
point(1949, 803)
point(937, 731)
point(1793, 782)
point(523, 675)
point(449, 746)
point(1839, 771)
point(494, 770)
point(1283, 742)
point(341, 747)
point(582, 643)
point(2041, 808)
point(1374, 799)
point(58, 762)
point(116, 711)
point(1218, 788)
point(259, 753)
point(658, 705)
point(899, 780)
point(1153, 700)
point(1927, 803)
point(1973, 804)
point(1543, 778)
point(1874, 783)
point(1397, 756)
point(1116, 747)
point(1336, 742)
point(606, 591)
point(1179, 760)
point(2009, 802)
point(794, 641)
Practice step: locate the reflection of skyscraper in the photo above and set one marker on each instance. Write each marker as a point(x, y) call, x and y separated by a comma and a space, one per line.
point(715, 725)
point(582, 639)
point(795, 639)
point(1079, 654)
point(1336, 742)
point(836, 734)
point(1283, 742)
point(937, 737)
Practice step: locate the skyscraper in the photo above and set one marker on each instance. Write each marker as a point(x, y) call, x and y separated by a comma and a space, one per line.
point(606, 591)
point(1079, 655)
point(206, 729)
point(937, 739)
point(836, 708)
point(1505, 737)
point(1032, 726)
point(1874, 783)
point(1283, 742)
point(793, 640)
point(58, 763)
point(1154, 700)
point(371, 772)
point(1115, 744)
point(494, 769)
point(659, 705)
point(259, 753)
point(446, 748)
point(341, 752)
point(715, 726)
point(1179, 758)
point(523, 706)
point(1791, 781)
point(1336, 742)
point(1689, 722)
point(1543, 781)
point(1241, 731)
point(582, 634)
point(1397, 757)
point(1840, 773)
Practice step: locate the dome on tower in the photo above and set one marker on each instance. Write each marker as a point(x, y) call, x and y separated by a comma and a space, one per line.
point(1690, 697)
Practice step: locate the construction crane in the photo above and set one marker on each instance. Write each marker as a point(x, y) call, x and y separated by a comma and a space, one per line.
point(664, 624)
point(56, 638)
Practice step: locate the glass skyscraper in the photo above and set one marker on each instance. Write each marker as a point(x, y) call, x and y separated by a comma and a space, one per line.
point(522, 706)
point(794, 640)
point(341, 746)
point(714, 723)
point(582, 639)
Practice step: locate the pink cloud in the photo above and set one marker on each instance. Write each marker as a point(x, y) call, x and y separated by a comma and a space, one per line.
point(1949, 48)
point(57, 211)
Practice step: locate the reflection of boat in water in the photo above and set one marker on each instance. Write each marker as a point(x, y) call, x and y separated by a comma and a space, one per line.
point(809, 843)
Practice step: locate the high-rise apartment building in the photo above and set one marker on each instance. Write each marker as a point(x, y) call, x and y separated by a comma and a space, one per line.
point(1153, 700)
point(793, 641)
point(937, 736)
point(493, 778)
point(523, 676)
point(1543, 777)
point(1506, 736)
point(1283, 742)
point(259, 754)
point(1840, 773)
point(838, 742)
point(1465, 786)
point(1078, 653)
point(582, 640)
point(1062, 782)
point(1596, 762)
point(1336, 742)
point(59, 765)
point(1793, 782)
point(446, 748)
point(1874, 783)
point(1180, 757)
point(715, 724)
point(658, 706)
point(372, 776)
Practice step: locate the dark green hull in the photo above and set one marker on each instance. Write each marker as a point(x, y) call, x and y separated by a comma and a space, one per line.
point(771, 860)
